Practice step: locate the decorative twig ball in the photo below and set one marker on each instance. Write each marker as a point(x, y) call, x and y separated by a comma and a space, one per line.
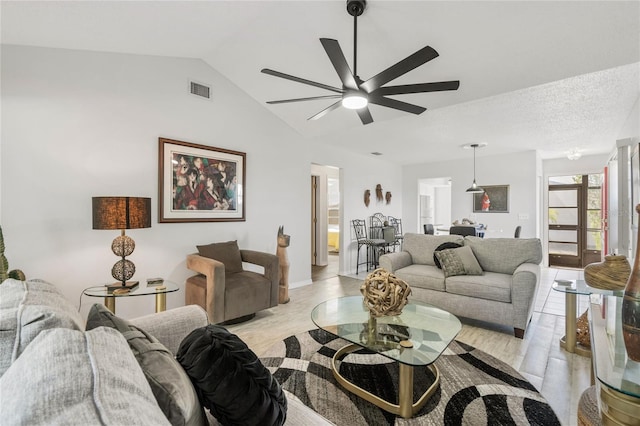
point(384, 293)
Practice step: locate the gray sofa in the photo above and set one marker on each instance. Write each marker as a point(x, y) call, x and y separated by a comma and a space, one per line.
point(53, 371)
point(504, 293)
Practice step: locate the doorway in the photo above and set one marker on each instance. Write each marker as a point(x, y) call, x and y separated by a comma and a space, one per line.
point(575, 220)
point(326, 212)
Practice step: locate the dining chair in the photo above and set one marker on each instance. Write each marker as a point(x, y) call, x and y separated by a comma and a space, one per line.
point(428, 229)
point(373, 245)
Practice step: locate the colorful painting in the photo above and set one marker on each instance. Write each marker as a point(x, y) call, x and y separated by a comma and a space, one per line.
point(200, 183)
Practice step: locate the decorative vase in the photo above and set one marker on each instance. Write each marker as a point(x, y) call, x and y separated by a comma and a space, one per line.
point(612, 274)
point(631, 307)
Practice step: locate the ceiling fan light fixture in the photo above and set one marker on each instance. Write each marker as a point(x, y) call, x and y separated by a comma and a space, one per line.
point(355, 100)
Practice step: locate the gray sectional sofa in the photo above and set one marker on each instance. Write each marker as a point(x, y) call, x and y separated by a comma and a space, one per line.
point(53, 371)
point(504, 293)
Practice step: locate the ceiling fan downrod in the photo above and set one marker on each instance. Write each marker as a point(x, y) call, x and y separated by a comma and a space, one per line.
point(355, 9)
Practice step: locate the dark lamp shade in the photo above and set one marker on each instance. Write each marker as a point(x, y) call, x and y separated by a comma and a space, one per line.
point(121, 212)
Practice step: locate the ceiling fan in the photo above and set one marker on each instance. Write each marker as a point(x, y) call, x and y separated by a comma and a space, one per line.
point(357, 94)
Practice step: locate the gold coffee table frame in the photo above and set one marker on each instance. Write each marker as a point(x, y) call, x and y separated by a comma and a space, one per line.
point(406, 408)
point(415, 338)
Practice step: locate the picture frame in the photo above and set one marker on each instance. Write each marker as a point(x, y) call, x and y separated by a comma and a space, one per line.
point(495, 201)
point(200, 183)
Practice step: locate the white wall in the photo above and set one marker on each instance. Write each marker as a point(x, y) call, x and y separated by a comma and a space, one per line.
point(516, 170)
point(357, 175)
point(80, 124)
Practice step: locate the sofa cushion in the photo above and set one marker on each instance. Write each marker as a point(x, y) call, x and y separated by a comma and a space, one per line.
point(69, 377)
point(471, 265)
point(422, 246)
point(227, 253)
point(441, 247)
point(169, 383)
point(230, 379)
point(27, 308)
point(422, 276)
point(504, 255)
point(490, 286)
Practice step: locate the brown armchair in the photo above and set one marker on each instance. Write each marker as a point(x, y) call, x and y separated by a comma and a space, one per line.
point(232, 296)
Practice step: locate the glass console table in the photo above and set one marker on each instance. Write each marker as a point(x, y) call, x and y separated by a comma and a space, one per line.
point(142, 290)
point(618, 376)
point(415, 338)
point(572, 288)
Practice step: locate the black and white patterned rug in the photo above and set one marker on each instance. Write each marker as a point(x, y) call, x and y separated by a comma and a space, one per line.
point(475, 388)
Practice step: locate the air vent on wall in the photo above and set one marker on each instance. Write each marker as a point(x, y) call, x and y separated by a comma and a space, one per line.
point(200, 90)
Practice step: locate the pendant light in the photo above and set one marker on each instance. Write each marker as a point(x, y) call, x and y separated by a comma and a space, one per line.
point(474, 188)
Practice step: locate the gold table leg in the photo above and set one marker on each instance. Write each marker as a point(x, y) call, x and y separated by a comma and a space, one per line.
point(110, 303)
point(406, 408)
point(161, 302)
point(570, 313)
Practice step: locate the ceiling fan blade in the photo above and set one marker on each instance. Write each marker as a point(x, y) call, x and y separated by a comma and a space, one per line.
point(325, 111)
point(339, 62)
point(365, 115)
point(422, 56)
point(284, 101)
point(300, 80)
point(396, 104)
point(418, 88)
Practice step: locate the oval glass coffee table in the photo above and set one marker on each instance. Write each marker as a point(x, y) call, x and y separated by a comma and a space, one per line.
point(415, 338)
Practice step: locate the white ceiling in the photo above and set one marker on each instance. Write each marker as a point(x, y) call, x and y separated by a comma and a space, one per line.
point(542, 75)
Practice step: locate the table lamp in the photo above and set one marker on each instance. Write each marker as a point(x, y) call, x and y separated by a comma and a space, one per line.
point(122, 213)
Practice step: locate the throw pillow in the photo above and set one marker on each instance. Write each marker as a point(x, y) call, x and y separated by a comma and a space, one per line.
point(227, 253)
point(471, 265)
point(70, 377)
point(230, 379)
point(170, 384)
point(443, 246)
point(451, 263)
point(26, 309)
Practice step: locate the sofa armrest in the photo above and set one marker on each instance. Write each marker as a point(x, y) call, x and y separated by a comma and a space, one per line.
point(172, 326)
point(524, 288)
point(271, 265)
point(214, 272)
point(394, 261)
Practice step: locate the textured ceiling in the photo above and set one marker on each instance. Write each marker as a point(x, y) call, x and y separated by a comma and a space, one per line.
point(541, 75)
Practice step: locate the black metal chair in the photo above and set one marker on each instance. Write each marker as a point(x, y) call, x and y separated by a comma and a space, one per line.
point(463, 230)
point(397, 226)
point(373, 245)
point(517, 233)
point(428, 229)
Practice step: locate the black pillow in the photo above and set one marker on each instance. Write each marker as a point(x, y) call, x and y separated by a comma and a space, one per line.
point(230, 380)
point(443, 246)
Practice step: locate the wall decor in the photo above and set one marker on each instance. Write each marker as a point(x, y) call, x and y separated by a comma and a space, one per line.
point(494, 199)
point(367, 197)
point(387, 197)
point(200, 183)
point(379, 192)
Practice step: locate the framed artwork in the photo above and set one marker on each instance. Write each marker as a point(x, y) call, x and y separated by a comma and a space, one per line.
point(200, 183)
point(495, 199)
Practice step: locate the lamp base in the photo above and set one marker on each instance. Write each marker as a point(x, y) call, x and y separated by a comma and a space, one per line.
point(129, 285)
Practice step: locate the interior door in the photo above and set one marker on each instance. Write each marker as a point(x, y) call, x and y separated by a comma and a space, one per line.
point(565, 225)
point(314, 218)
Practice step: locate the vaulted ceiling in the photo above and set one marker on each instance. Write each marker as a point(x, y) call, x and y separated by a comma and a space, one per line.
point(537, 75)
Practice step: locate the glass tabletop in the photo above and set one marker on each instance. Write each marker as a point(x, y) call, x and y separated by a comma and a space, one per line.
point(581, 287)
point(611, 364)
point(416, 337)
point(142, 290)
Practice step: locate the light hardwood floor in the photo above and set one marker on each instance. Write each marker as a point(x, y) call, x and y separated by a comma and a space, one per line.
point(559, 376)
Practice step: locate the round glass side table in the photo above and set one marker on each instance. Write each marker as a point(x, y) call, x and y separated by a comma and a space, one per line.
point(160, 291)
